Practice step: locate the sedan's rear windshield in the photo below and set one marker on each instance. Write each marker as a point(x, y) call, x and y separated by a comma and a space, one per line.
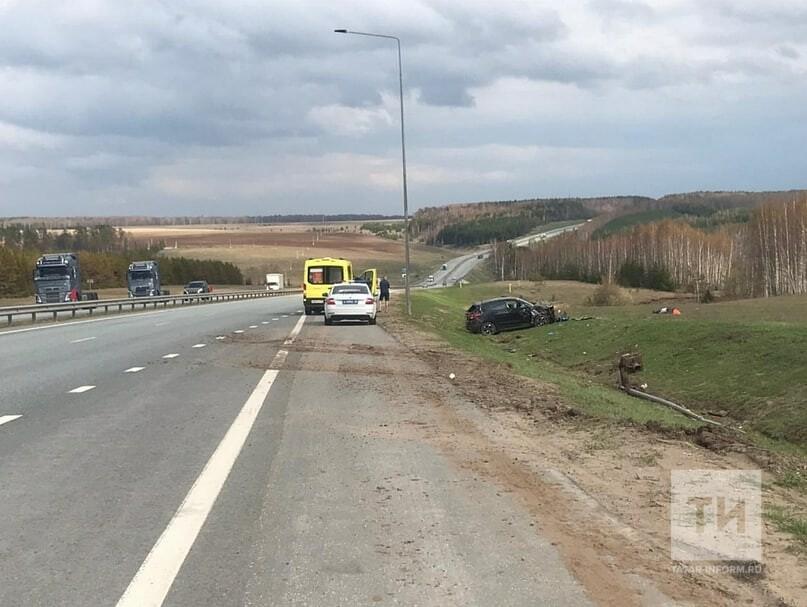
point(196, 285)
point(325, 275)
point(351, 289)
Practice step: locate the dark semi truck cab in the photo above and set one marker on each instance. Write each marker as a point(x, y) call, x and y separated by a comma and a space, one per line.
point(57, 278)
point(143, 279)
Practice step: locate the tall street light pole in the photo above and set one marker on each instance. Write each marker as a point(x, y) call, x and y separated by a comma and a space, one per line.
point(403, 160)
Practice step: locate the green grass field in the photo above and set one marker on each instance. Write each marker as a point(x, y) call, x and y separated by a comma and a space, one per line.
point(744, 357)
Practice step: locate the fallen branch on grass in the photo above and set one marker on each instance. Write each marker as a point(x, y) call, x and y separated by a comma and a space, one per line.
point(631, 363)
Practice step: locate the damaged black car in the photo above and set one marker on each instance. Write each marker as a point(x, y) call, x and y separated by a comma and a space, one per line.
point(506, 313)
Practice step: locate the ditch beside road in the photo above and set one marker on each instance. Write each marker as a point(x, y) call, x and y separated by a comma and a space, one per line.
point(599, 488)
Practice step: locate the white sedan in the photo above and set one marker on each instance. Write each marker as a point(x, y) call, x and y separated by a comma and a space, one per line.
point(350, 301)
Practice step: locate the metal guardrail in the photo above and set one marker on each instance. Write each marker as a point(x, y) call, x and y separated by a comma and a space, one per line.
point(132, 303)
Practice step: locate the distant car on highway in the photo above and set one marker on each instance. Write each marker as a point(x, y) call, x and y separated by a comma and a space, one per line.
point(505, 313)
point(444, 266)
point(350, 301)
point(196, 287)
point(430, 278)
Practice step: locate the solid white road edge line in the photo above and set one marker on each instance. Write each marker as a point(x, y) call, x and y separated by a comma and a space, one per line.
point(83, 339)
point(279, 359)
point(134, 369)
point(156, 575)
point(81, 389)
point(295, 331)
point(4, 419)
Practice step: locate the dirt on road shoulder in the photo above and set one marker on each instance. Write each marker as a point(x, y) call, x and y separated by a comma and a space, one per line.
point(599, 490)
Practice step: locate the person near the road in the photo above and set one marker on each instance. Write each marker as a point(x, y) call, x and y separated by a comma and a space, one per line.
point(384, 288)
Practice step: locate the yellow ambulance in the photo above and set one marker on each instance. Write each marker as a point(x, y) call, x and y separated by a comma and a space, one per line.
point(319, 275)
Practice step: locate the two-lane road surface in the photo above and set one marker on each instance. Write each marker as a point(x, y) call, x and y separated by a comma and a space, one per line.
point(458, 268)
point(243, 454)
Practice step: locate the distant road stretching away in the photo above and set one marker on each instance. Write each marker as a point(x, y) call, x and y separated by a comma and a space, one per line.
point(459, 267)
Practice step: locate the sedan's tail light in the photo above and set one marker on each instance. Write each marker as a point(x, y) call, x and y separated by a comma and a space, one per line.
point(330, 301)
point(369, 300)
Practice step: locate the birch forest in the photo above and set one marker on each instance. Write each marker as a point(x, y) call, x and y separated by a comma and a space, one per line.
point(764, 257)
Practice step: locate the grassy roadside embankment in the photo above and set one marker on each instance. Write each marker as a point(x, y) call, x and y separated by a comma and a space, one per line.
point(743, 358)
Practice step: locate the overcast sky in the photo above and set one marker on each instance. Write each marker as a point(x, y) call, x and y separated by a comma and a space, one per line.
point(256, 107)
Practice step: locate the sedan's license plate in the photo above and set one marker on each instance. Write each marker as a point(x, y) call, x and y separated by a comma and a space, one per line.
point(316, 301)
point(350, 301)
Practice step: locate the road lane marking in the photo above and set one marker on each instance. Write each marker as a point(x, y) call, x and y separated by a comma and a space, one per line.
point(295, 331)
point(285, 316)
point(253, 326)
point(134, 369)
point(238, 331)
point(275, 319)
point(81, 389)
point(122, 316)
point(172, 355)
point(4, 419)
point(279, 359)
point(220, 337)
point(161, 324)
point(198, 345)
point(83, 339)
point(156, 575)
point(264, 322)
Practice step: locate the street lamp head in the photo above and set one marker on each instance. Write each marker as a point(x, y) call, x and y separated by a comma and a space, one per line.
point(341, 31)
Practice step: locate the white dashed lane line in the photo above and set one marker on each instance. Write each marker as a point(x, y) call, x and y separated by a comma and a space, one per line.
point(4, 419)
point(253, 326)
point(156, 575)
point(198, 345)
point(220, 337)
point(275, 319)
point(264, 322)
point(238, 331)
point(285, 316)
point(83, 339)
point(161, 324)
point(172, 355)
point(134, 369)
point(81, 389)
point(294, 332)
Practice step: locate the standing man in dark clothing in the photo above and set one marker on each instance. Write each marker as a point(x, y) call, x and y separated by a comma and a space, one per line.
point(384, 287)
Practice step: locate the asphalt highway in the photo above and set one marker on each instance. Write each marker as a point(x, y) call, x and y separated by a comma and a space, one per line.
point(240, 454)
point(459, 267)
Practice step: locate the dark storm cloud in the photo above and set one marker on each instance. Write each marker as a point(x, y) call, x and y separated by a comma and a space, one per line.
point(150, 105)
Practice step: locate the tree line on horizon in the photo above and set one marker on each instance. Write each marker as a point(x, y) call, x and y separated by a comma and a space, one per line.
point(104, 255)
point(189, 220)
point(766, 256)
point(468, 224)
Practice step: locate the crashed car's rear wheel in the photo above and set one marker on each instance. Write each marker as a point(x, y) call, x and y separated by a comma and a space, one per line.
point(488, 328)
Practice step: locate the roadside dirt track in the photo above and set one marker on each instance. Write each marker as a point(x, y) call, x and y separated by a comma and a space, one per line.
point(600, 491)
